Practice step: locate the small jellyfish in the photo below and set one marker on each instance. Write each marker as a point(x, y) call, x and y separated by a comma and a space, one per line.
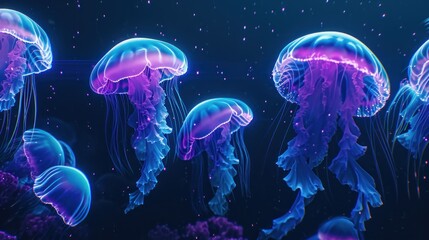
point(42, 151)
point(333, 77)
point(410, 108)
point(67, 190)
point(135, 68)
point(25, 50)
point(208, 127)
point(338, 228)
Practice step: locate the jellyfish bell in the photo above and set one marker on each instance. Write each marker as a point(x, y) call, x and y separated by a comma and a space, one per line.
point(125, 64)
point(67, 190)
point(207, 117)
point(42, 151)
point(418, 72)
point(335, 51)
point(338, 228)
point(208, 127)
point(136, 67)
point(332, 77)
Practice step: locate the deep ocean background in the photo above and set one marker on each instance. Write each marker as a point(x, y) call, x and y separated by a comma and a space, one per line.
point(231, 47)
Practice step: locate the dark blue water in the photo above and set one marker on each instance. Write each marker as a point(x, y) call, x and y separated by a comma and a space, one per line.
point(231, 47)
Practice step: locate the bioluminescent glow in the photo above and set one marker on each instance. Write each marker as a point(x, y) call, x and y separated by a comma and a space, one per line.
point(333, 77)
point(67, 190)
point(136, 67)
point(25, 50)
point(209, 127)
point(338, 228)
point(410, 108)
point(42, 151)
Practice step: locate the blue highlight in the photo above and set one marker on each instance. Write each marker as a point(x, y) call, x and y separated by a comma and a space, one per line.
point(67, 190)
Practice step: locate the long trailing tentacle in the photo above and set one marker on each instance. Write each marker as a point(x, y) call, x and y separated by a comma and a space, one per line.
point(416, 138)
point(12, 83)
point(116, 134)
point(345, 166)
point(286, 222)
point(350, 173)
point(148, 141)
point(315, 124)
point(222, 171)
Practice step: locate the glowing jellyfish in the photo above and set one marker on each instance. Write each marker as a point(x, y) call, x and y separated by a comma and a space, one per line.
point(411, 104)
point(136, 67)
point(25, 50)
point(208, 127)
point(42, 151)
point(338, 228)
point(67, 190)
point(333, 77)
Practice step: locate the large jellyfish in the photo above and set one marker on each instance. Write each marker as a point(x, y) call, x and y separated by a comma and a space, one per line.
point(333, 77)
point(208, 127)
point(412, 106)
point(137, 67)
point(24, 51)
point(67, 190)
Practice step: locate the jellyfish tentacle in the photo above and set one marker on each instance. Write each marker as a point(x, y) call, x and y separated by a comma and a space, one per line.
point(345, 165)
point(222, 170)
point(148, 141)
point(287, 222)
point(308, 119)
point(349, 172)
point(13, 79)
point(310, 146)
point(416, 138)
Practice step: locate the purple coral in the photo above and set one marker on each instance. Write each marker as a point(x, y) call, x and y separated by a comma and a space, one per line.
point(215, 228)
point(9, 188)
point(222, 228)
point(161, 232)
point(6, 236)
point(38, 226)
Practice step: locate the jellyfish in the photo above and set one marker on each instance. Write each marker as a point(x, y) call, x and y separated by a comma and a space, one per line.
point(209, 127)
point(42, 151)
point(25, 50)
point(39, 151)
point(136, 67)
point(333, 77)
point(337, 228)
point(67, 190)
point(411, 105)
